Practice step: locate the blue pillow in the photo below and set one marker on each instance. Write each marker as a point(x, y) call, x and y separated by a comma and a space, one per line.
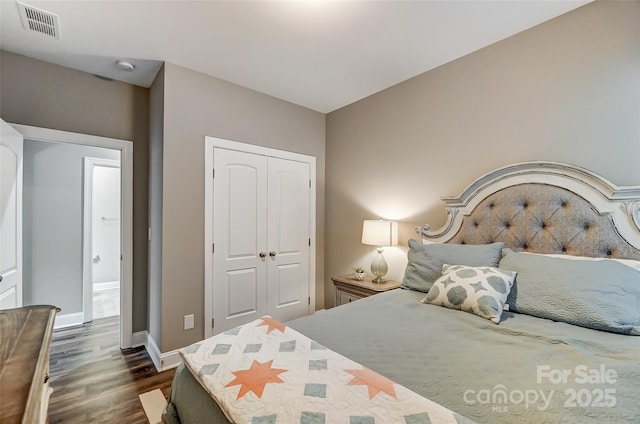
point(602, 295)
point(425, 261)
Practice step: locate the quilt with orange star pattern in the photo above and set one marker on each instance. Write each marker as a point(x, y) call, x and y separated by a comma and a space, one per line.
point(266, 372)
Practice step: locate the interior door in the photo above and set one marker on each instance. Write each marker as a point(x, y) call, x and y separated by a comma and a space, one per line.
point(288, 236)
point(239, 238)
point(101, 233)
point(11, 217)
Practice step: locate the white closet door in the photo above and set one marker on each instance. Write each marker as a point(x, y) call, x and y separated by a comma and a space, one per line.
point(11, 143)
point(239, 236)
point(288, 239)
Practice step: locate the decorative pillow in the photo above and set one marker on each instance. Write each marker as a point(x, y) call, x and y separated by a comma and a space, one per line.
point(603, 294)
point(479, 290)
point(425, 260)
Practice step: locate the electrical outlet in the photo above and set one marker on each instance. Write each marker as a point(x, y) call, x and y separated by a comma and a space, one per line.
point(188, 322)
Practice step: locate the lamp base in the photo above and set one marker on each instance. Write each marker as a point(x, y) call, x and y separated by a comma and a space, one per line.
point(379, 267)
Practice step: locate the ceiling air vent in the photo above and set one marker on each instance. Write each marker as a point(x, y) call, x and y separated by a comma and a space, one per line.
point(38, 20)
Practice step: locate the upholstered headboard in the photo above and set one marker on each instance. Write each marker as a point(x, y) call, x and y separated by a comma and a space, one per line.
point(545, 207)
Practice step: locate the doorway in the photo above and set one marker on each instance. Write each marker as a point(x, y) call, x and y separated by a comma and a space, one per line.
point(101, 238)
point(72, 239)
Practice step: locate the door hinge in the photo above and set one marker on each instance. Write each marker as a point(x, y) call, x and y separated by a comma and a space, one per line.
point(213, 322)
point(309, 300)
point(121, 257)
point(213, 173)
point(309, 183)
point(309, 242)
point(213, 248)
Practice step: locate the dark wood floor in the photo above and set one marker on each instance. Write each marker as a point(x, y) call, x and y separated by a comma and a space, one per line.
point(94, 381)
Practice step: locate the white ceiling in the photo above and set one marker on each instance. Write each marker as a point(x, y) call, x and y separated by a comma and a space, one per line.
point(320, 54)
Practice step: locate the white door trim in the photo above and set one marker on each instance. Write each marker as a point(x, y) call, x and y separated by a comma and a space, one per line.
point(87, 231)
point(126, 199)
point(210, 143)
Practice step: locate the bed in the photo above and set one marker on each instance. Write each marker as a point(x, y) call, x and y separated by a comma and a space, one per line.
point(561, 345)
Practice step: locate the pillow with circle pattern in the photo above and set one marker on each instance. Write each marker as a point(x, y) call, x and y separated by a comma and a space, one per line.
point(481, 291)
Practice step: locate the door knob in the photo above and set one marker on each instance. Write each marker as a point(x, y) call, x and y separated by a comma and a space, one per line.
point(272, 253)
point(263, 254)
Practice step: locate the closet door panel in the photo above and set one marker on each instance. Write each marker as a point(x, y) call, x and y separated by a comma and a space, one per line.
point(288, 239)
point(239, 205)
point(242, 289)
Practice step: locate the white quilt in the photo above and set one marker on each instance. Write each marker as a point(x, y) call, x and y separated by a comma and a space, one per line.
point(264, 372)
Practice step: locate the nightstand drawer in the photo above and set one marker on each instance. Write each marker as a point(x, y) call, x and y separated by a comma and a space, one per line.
point(348, 289)
point(344, 297)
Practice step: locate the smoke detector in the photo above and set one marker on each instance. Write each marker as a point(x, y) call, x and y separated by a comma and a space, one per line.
point(126, 66)
point(38, 20)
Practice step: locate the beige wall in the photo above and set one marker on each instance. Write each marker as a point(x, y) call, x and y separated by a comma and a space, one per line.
point(44, 95)
point(195, 106)
point(566, 90)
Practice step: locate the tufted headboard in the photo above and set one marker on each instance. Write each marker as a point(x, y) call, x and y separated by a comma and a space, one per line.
point(545, 207)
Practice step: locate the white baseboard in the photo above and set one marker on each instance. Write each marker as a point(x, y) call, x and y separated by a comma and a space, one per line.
point(162, 361)
point(68, 320)
point(139, 338)
point(153, 351)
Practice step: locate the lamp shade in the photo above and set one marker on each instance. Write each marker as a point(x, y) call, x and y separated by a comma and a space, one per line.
point(378, 232)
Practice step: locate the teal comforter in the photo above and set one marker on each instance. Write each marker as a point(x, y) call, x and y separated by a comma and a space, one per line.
point(524, 370)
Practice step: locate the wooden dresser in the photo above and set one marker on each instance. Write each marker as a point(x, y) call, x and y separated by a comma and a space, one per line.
point(25, 341)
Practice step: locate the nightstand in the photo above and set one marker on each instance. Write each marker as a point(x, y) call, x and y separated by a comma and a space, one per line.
point(348, 289)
